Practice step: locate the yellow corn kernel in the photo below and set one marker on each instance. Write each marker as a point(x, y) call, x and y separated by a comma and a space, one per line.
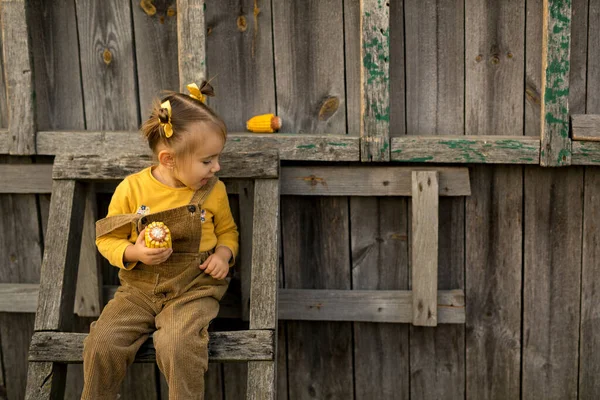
point(266, 123)
point(157, 235)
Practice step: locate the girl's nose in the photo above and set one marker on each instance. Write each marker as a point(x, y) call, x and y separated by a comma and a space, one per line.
point(216, 167)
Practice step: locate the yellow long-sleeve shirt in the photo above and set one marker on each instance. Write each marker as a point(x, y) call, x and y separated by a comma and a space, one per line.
point(142, 192)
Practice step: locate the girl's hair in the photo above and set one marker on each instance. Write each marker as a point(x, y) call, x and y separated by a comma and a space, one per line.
point(185, 110)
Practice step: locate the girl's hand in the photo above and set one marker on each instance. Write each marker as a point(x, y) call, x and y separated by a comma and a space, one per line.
point(139, 252)
point(217, 264)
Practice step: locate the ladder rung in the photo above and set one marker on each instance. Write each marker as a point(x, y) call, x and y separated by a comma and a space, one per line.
point(65, 347)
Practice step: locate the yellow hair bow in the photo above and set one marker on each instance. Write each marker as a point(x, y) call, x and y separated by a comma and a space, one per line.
point(167, 126)
point(200, 93)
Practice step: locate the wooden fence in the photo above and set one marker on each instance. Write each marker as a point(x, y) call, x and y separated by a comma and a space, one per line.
point(470, 82)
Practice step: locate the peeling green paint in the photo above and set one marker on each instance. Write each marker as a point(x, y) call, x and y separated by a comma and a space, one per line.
point(563, 155)
point(421, 159)
point(236, 140)
point(306, 146)
point(337, 144)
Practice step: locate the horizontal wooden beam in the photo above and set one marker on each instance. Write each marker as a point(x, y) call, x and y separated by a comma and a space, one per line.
point(25, 178)
point(466, 149)
point(299, 304)
point(365, 305)
point(233, 165)
point(368, 181)
point(585, 153)
point(586, 127)
point(67, 347)
point(289, 146)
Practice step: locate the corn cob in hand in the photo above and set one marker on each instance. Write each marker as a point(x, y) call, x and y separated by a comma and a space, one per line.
point(158, 235)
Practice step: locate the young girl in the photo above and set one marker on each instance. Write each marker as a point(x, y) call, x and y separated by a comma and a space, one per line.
point(173, 292)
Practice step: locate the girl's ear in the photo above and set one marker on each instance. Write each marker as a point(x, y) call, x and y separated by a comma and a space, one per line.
point(166, 158)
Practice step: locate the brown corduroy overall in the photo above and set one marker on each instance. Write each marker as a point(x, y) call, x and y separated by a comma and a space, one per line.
point(176, 300)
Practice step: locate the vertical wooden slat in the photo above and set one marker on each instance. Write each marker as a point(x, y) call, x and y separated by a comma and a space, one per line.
point(375, 82)
point(552, 273)
point(3, 99)
point(155, 33)
point(18, 70)
point(555, 142)
point(243, 76)
point(494, 70)
point(46, 381)
point(425, 222)
point(191, 42)
point(435, 104)
point(263, 290)
point(59, 266)
point(589, 340)
point(379, 239)
point(246, 201)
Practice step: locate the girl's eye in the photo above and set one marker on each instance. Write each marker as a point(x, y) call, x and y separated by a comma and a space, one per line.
point(207, 162)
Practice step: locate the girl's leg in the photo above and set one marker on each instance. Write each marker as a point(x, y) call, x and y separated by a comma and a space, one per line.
point(114, 339)
point(181, 341)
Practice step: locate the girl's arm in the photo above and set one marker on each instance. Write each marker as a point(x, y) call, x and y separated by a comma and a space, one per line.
point(225, 228)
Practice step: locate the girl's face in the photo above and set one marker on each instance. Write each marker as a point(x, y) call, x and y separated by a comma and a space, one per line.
point(195, 171)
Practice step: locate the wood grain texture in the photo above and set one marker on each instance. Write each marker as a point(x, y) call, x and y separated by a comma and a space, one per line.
point(552, 283)
point(261, 380)
point(244, 259)
point(375, 80)
point(367, 181)
point(18, 297)
point(434, 67)
point(265, 257)
point(586, 127)
point(379, 244)
point(365, 305)
point(58, 90)
point(18, 72)
point(578, 56)
point(25, 178)
point(397, 70)
point(316, 256)
point(240, 60)
point(495, 53)
point(585, 153)
point(472, 149)
point(424, 247)
point(21, 247)
point(46, 381)
point(593, 53)
point(589, 340)
point(4, 140)
point(191, 42)
point(556, 30)
point(291, 147)
point(235, 165)
point(155, 34)
point(353, 66)
point(107, 65)
point(223, 346)
point(59, 266)
point(309, 65)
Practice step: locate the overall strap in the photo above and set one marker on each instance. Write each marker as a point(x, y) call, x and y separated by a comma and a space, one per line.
point(109, 224)
point(201, 194)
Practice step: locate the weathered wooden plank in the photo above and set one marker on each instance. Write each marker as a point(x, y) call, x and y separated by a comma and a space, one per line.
point(88, 293)
point(316, 256)
point(3, 391)
point(223, 347)
point(213, 383)
point(424, 246)
point(244, 77)
point(367, 181)
point(63, 241)
point(472, 149)
point(556, 28)
point(379, 243)
point(18, 70)
point(586, 127)
point(46, 381)
point(155, 27)
point(589, 340)
point(593, 53)
point(434, 67)
point(261, 380)
point(234, 165)
point(244, 261)
point(365, 305)
point(353, 66)
point(4, 138)
point(375, 80)
point(552, 283)
point(58, 90)
point(495, 54)
point(585, 153)
point(291, 146)
point(265, 258)
point(20, 258)
point(310, 65)
point(107, 65)
point(578, 56)
point(191, 42)
point(397, 70)
point(18, 297)
point(25, 178)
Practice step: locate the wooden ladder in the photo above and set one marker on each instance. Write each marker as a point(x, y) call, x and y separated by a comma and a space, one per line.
point(53, 346)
